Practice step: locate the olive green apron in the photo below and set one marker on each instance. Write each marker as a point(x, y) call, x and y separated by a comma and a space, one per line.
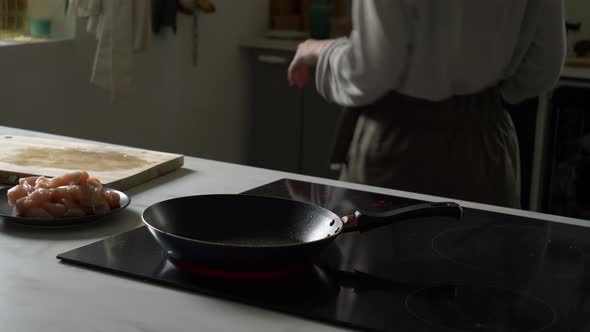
point(464, 147)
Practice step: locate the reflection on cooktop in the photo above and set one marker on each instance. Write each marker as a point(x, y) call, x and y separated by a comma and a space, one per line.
point(513, 250)
point(307, 283)
point(467, 308)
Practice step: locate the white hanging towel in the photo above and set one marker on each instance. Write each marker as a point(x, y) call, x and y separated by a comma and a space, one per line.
point(122, 28)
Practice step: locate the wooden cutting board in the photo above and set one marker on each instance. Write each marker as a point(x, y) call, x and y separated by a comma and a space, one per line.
point(116, 166)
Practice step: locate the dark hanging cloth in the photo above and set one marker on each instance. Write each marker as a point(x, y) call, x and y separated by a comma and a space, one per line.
point(164, 14)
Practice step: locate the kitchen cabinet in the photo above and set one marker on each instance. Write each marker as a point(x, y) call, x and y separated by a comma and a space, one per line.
point(290, 129)
point(319, 130)
point(276, 114)
point(562, 148)
point(568, 151)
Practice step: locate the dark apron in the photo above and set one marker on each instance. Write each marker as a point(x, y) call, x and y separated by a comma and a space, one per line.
point(464, 147)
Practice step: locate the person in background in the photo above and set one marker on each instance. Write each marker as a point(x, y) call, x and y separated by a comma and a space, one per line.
point(423, 84)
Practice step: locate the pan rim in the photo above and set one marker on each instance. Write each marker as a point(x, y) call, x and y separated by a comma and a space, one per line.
point(332, 236)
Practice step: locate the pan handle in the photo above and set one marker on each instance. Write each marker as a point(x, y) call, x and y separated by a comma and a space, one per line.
point(368, 221)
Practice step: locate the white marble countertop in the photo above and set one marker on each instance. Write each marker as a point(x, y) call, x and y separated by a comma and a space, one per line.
point(580, 73)
point(38, 293)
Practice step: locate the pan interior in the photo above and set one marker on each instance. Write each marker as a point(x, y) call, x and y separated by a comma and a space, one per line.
point(243, 220)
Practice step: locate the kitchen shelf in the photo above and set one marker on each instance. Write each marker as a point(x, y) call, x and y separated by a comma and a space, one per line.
point(291, 129)
point(264, 43)
point(575, 72)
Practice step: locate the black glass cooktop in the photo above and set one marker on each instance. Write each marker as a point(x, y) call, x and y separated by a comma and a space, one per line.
point(488, 272)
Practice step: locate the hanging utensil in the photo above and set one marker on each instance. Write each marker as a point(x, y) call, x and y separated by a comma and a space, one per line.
point(206, 6)
point(196, 37)
point(201, 6)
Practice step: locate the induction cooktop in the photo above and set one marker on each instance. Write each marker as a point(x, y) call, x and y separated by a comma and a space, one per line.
point(487, 272)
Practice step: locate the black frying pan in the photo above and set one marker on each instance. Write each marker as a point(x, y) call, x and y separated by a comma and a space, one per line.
point(244, 231)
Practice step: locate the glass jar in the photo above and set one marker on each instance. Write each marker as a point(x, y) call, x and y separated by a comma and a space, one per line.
point(40, 14)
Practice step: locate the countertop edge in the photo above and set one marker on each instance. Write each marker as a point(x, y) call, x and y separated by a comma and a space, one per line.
point(261, 176)
point(290, 45)
point(287, 45)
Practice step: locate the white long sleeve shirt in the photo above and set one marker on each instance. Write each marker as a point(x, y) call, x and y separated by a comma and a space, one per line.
point(435, 49)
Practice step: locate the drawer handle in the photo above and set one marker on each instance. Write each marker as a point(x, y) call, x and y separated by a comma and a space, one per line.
point(273, 59)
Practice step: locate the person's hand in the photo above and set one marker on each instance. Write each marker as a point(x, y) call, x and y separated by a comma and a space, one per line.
point(308, 54)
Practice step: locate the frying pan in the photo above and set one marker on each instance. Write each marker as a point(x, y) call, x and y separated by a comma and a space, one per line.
point(235, 232)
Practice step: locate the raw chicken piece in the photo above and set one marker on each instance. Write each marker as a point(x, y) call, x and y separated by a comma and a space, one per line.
point(72, 209)
point(42, 182)
point(29, 188)
point(37, 213)
point(73, 194)
point(100, 205)
point(113, 199)
point(59, 193)
point(73, 178)
point(20, 206)
point(84, 176)
point(68, 203)
point(15, 193)
point(39, 196)
point(82, 195)
point(94, 182)
point(56, 210)
point(30, 180)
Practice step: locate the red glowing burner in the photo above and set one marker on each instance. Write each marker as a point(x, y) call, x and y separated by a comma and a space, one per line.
point(378, 203)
